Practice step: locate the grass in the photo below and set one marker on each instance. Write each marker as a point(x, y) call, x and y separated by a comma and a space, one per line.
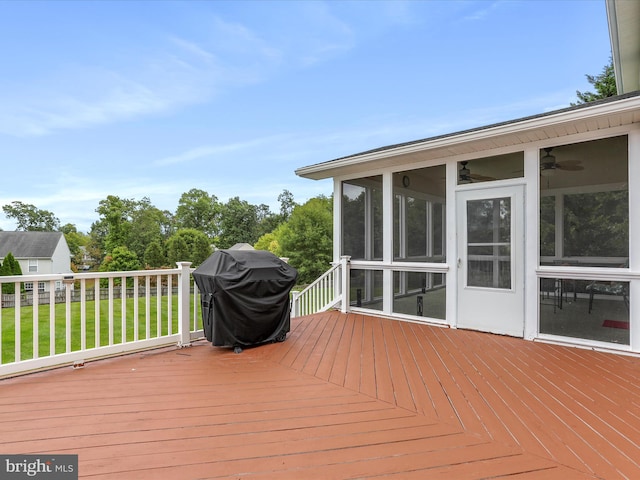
point(7, 322)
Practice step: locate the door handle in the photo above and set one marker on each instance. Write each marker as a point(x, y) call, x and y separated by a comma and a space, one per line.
point(459, 262)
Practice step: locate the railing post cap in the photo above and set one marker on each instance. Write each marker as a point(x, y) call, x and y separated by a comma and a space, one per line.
point(184, 264)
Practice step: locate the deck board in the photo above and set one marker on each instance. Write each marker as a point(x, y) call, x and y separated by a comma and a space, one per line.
point(345, 396)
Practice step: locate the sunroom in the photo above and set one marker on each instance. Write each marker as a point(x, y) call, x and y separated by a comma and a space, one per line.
point(524, 228)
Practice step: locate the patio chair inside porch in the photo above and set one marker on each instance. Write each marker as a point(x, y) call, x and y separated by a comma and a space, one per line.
point(551, 288)
point(608, 288)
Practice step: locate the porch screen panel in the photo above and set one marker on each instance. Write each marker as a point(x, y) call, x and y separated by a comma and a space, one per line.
point(419, 215)
point(417, 227)
point(584, 204)
point(547, 225)
point(420, 294)
point(588, 309)
point(365, 289)
point(489, 243)
point(362, 218)
point(584, 223)
point(597, 224)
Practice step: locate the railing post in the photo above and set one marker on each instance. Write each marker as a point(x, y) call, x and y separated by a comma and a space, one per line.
point(184, 297)
point(295, 307)
point(344, 284)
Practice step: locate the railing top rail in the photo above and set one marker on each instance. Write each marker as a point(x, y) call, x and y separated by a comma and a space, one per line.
point(89, 275)
point(319, 279)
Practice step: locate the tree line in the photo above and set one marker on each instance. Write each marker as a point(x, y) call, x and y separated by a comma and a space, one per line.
point(132, 234)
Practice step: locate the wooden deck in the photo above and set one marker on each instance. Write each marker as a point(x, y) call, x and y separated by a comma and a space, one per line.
point(346, 396)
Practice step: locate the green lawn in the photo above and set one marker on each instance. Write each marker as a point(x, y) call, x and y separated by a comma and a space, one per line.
point(26, 332)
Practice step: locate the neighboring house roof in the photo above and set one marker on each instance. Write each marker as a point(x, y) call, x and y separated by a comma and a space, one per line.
point(592, 116)
point(624, 29)
point(242, 246)
point(29, 244)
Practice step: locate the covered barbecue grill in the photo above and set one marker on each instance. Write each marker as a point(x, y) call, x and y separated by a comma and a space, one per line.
point(245, 297)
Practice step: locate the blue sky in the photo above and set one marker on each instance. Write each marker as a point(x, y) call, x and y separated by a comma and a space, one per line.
point(152, 99)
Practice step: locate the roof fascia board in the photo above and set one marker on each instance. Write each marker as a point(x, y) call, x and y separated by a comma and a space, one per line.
point(563, 117)
point(612, 19)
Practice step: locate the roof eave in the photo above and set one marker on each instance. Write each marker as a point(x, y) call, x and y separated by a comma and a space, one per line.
point(623, 19)
point(333, 167)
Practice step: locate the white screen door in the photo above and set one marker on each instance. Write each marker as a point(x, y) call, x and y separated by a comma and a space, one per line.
point(491, 260)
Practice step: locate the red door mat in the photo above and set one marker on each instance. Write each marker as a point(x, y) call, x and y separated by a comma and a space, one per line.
point(616, 324)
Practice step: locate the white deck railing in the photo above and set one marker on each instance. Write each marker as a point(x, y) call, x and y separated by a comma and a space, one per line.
point(323, 294)
point(95, 315)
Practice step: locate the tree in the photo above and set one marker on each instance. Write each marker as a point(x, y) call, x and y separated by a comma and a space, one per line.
point(9, 267)
point(75, 240)
point(188, 245)
point(29, 218)
point(268, 221)
point(605, 85)
point(12, 265)
point(130, 223)
point(306, 239)
point(269, 242)
point(286, 204)
point(93, 252)
point(154, 256)
point(113, 229)
point(197, 209)
point(238, 223)
point(68, 228)
point(7, 288)
point(146, 227)
point(120, 260)
point(201, 249)
point(177, 250)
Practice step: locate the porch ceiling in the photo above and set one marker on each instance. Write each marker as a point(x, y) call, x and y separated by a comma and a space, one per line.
point(604, 114)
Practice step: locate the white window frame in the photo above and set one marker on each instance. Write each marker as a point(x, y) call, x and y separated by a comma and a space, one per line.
point(33, 265)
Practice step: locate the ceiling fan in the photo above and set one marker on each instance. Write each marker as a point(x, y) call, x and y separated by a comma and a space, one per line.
point(465, 175)
point(548, 164)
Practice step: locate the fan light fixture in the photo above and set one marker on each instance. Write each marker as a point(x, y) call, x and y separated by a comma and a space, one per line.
point(548, 164)
point(464, 174)
point(548, 170)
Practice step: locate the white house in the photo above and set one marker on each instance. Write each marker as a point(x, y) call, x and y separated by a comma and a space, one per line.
point(38, 253)
point(526, 228)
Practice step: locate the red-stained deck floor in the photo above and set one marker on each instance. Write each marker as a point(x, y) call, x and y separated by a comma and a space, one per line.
point(345, 396)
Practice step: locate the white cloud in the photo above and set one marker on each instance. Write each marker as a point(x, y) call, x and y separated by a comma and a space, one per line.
point(480, 14)
point(205, 151)
point(180, 69)
point(177, 73)
point(86, 97)
point(236, 38)
point(320, 35)
point(192, 48)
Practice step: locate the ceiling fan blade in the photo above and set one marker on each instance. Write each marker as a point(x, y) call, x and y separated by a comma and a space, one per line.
point(569, 168)
point(569, 162)
point(482, 178)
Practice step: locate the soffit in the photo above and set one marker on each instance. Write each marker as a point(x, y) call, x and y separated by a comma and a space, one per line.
point(608, 113)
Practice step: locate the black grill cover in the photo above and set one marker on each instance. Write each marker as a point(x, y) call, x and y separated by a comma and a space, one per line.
point(245, 297)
